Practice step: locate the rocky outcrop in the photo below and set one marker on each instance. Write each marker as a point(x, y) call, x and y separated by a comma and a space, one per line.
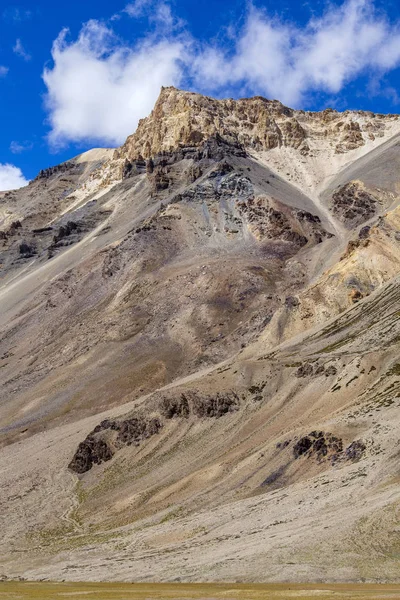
point(353, 245)
point(109, 436)
point(309, 370)
point(132, 168)
point(66, 230)
point(222, 184)
point(355, 451)
point(325, 445)
point(101, 444)
point(318, 444)
point(198, 404)
point(353, 204)
point(11, 231)
point(304, 370)
point(91, 451)
point(160, 168)
point(56, 170)
point(351, 137)
point(26, 250)
point(323, 448)
point(215, 406)
point(267, 220)
point(294, 135)
point(181, 119)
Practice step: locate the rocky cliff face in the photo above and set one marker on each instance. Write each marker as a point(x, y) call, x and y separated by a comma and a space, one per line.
point(199, 350)
point(184, 119)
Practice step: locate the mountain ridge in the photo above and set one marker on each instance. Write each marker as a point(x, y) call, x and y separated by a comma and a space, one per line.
point(203, 325)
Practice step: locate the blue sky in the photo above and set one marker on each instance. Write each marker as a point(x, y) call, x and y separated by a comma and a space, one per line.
point(80, 74)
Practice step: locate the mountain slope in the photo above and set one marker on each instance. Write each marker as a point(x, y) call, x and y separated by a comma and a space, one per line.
point(199, 346)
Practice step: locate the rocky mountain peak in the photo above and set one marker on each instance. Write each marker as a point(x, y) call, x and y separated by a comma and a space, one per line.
point(199, 341)
point(182, 118)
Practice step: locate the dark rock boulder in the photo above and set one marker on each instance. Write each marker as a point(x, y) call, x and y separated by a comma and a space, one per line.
point(355, 451)
point(91, 451)
point(292, 302)
point(135, 430)
point(364, 232)
point(353, 204)
point(26, 250)
point(175, 407)
point(215, 406)
point(302, 446)
point(304, 370)
point(108, 437)
point(318, 444)
point(199, 405)
point(331, 370)
point(14, 226)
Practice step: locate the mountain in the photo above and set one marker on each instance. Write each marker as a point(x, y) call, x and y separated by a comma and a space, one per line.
point(199, 351)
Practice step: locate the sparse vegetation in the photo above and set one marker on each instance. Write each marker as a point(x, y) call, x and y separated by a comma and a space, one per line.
point(193, 591)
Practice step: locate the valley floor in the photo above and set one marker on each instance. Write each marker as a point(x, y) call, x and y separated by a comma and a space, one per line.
point(211, 591)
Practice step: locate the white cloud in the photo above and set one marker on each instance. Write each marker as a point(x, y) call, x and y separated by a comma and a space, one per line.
point(137, 9)
point(3, 71)
point(16, 14)
point(98, 89)
point(11, 177)
point(18, 147)
point(283, 61)
point(19, 50)
point(158, 13)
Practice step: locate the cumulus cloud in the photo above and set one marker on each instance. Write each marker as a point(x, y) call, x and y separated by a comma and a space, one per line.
point(11, 177)
point(278, 59)
point(98, 89)
point(19, 50)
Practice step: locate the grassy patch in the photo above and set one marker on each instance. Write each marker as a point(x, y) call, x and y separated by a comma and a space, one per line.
point(194, 591)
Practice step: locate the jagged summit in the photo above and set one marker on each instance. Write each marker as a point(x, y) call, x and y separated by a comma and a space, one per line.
point(182, 118)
